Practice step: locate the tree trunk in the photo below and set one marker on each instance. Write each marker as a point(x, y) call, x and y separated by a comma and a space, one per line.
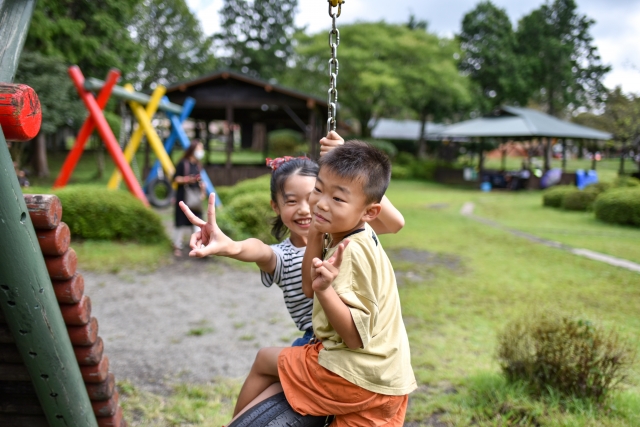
point(422, 142)
point(40, 165)
point(547, 153)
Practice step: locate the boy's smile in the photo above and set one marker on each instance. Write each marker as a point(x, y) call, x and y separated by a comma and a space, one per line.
point(339, 205)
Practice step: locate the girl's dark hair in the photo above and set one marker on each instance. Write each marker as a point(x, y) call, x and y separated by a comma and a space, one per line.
point(304, 167)
point(189, 151)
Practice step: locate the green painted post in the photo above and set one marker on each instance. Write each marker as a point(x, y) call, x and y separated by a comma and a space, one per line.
point(26, 294)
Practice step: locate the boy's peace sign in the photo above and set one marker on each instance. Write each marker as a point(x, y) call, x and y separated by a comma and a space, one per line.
point(324, 272)
point(210, 240)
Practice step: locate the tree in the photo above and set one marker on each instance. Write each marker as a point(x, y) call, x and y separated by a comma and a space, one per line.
point(91, 34)
point(368, 82)
point(256, 36)
point(430, 80)
point(489, 58)
point(58, 99)
point(563, 66)
point(173, 45)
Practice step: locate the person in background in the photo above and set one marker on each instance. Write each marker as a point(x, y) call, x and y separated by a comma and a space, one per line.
point(187, 175)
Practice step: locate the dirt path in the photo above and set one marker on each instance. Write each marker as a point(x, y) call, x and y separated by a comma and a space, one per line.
point(191, 321)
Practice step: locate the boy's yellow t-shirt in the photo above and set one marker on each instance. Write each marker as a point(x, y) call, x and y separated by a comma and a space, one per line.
point(367, 284)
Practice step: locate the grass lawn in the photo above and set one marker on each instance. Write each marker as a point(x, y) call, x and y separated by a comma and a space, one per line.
point(454, 314)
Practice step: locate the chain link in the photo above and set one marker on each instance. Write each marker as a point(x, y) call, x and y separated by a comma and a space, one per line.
point(334, 65)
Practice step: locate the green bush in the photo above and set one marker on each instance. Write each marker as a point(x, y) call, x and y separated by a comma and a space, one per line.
point(599, 187)
point(400, 172)
point(425, 169)
point(261, 184)
point(247, 215)
point(579, 200)
point(574, 357)
point(284, 142)
point(405, 159)
point(626, 181)
point(554, 196)
point(93, 212)
point(385, 146)
point(619, 206)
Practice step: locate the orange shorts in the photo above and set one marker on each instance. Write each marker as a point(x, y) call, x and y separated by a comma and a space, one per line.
point(314, 390)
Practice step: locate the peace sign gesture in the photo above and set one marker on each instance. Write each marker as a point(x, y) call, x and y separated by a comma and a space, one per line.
point(323, 273)
point(210, 240)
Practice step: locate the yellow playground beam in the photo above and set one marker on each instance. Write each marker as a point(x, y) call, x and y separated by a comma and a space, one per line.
point(143, 116)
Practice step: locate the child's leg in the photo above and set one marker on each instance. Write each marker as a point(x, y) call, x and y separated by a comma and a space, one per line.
point(264, 373)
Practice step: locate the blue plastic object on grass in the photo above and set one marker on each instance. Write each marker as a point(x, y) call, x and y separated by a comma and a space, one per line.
point(585, 178)
point(551, 177)
point(485, 186)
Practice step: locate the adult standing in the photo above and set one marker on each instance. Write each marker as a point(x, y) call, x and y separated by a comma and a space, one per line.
point(190, 190)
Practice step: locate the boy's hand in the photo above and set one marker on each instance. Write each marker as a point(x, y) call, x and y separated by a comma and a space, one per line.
point(331, 141)
point(210, 240)
point(323, 273)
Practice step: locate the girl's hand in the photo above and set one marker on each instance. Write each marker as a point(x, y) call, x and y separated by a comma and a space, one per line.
point(210, 240)
point(331, 141)
point(323, 273)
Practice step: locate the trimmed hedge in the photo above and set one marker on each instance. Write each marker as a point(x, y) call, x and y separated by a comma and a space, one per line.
point(626, 181)
point(385, 146)
point(554, 196)
point(95, 213)
point(619, 206)
point(599, 187)
point(285, 142)
point(579, 200)
point(247, 215)
point(261, 184)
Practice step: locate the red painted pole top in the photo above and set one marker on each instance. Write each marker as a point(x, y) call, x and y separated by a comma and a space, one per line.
point(20, 112)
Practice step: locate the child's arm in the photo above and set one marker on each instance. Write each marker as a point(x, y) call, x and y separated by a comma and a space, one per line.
point(338, 313)
point(390, 220)
point(313, 250)
point(210, 240)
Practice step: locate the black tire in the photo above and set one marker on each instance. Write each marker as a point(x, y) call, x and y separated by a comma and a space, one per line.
point(152, 192)
point(276, 412)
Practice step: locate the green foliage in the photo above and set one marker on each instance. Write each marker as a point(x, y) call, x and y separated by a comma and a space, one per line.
point(174, 46)
point(626, 182)
point(552, 352)
point(598, 187)
point(247, 215)
point(619, 206)
point(117, 215)
point(562, 65)
point(489, 56)
point(385, 146)
point(554, 196)
point(258, 35)
point(284, 142)
point(247, 211)
point(400, 172)
point(58, 97)
point(92, 34)
point(407, 166)
point(579, 200)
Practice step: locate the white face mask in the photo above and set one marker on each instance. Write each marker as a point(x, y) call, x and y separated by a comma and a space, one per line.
point(199, 154)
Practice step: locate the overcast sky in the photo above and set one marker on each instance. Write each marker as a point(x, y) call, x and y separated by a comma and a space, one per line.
point(616, 32)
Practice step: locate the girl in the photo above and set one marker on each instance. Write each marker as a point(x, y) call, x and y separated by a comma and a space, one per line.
point(292, 181)
point(187, 175)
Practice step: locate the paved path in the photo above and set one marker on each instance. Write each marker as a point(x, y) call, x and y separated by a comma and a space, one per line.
point(468, 208)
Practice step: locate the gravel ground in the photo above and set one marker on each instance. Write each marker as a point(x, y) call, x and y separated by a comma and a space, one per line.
point(190, 321)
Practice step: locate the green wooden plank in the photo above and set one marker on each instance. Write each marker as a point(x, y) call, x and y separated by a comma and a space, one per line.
point(15, 16)
point(95, 85)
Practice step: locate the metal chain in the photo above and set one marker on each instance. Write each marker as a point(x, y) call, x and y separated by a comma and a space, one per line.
point(334, 42)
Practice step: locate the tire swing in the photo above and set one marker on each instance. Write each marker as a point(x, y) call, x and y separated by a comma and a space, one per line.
point(160, 192)
point(275, 411)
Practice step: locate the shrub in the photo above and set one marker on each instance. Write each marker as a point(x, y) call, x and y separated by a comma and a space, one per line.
point(247, 215)
point(284, 142)
point(579, 200)
point(619, 206)
point(405, 159)
point(387, 147)
point(599, 187)
point(554, 196)
point(626, 181)
point(261, 184)
point(400, 172)
point(96, 213)
point(574, 357)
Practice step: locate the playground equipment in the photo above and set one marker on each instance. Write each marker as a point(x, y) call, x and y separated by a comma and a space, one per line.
point(41, 382)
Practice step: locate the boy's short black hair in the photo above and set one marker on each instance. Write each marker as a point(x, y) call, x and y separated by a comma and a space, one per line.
point(360, 161)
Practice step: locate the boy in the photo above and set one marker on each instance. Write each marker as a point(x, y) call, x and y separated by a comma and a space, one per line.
point(359, 369)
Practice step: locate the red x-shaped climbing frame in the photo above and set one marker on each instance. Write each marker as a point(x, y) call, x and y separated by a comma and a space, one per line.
point(97, 120)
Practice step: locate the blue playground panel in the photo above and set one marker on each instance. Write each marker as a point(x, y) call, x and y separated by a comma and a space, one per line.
point(585, 178)
point(178, 134)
